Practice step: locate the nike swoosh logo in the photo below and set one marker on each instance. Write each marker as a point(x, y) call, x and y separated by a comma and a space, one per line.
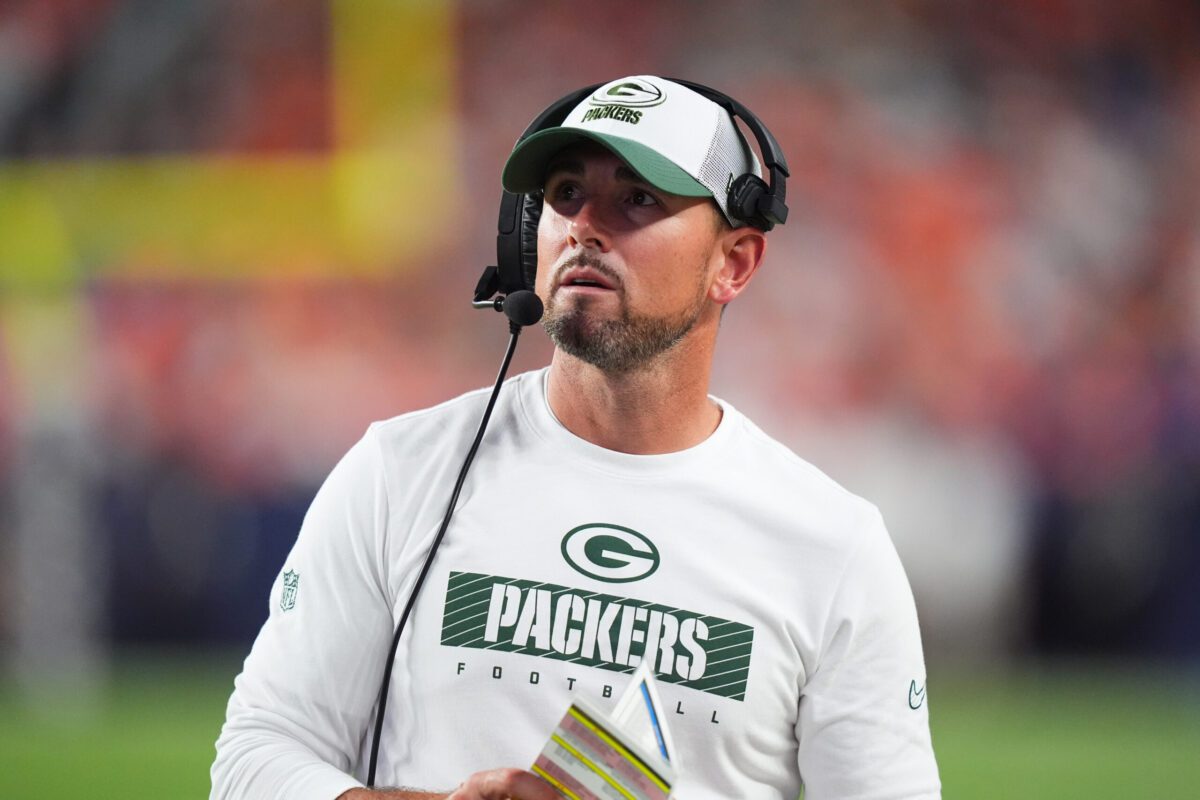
point(916, 697)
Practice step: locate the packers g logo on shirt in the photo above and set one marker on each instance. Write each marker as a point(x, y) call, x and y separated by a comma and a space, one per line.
point(609, 553)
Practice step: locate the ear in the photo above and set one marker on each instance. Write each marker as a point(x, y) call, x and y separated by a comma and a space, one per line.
point(741, 251)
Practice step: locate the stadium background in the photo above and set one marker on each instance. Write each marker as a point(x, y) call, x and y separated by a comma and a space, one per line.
point(233, 233)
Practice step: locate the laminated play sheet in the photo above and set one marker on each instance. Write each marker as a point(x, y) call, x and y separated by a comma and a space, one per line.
point(626, 755)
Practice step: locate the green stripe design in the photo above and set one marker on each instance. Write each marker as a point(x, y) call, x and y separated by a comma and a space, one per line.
point(700, 651)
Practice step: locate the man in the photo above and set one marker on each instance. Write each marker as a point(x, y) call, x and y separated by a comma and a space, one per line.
point(616, 513)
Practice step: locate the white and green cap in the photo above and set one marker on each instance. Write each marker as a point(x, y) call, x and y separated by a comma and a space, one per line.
point(678, 140)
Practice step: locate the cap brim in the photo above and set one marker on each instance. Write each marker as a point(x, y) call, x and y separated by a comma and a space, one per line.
point(525, 170)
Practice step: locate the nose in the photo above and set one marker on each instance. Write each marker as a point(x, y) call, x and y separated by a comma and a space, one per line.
point(587, 229)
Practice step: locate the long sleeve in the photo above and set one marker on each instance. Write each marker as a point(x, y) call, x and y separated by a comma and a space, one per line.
point(864, 721)
point(302, 705)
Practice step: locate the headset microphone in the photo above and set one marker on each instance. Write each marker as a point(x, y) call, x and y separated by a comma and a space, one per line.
point(523, 308)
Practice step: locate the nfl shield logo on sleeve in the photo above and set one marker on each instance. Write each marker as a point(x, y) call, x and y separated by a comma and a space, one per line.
point(291, 585)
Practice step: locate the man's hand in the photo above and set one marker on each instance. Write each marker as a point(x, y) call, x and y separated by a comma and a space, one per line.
point(503, 784)
point(494, 784)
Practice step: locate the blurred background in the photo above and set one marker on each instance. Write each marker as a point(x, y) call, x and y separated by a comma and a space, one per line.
point(234, 233)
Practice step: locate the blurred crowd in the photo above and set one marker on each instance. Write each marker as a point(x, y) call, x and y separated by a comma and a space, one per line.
point(984, 311)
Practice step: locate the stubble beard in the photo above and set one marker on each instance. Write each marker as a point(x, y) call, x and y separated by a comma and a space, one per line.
point(622, 344)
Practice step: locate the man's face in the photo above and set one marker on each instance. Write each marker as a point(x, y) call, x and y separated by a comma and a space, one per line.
point(623, 268)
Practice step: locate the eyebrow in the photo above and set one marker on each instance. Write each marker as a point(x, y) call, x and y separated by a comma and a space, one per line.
point(575, 168)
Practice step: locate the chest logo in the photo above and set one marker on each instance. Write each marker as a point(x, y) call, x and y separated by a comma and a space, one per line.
point(586, 628)
point(609, 553)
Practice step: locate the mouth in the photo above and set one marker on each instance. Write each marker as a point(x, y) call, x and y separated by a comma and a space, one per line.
point(589, 279)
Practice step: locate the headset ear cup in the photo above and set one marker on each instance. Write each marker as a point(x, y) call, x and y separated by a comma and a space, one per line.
point(744, 195)
point(531, 214)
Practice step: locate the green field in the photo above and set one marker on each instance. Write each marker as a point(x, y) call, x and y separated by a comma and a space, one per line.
point(1061, 732)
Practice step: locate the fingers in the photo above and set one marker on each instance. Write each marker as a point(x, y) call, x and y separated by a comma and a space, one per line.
point(504, 784)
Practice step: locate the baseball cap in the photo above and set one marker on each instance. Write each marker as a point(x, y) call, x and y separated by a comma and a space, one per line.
point(678, 140)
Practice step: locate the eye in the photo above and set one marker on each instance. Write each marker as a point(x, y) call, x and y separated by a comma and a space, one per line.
point(639, 197)
point(562, 191)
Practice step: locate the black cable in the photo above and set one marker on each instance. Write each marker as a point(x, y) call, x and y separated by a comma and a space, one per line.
point(515, 330)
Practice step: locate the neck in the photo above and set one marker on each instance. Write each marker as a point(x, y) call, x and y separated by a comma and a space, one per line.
point(663, 407)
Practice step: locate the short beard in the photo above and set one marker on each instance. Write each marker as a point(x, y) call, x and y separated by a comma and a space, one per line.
point(621, 345)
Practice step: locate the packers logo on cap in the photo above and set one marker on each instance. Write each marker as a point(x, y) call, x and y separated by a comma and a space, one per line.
point(640, 93)
point(688, 147)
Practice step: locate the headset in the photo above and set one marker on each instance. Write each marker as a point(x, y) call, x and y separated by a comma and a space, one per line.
point(508, 286)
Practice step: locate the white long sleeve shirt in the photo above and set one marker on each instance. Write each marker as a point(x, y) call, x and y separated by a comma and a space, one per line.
point(778, 616)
